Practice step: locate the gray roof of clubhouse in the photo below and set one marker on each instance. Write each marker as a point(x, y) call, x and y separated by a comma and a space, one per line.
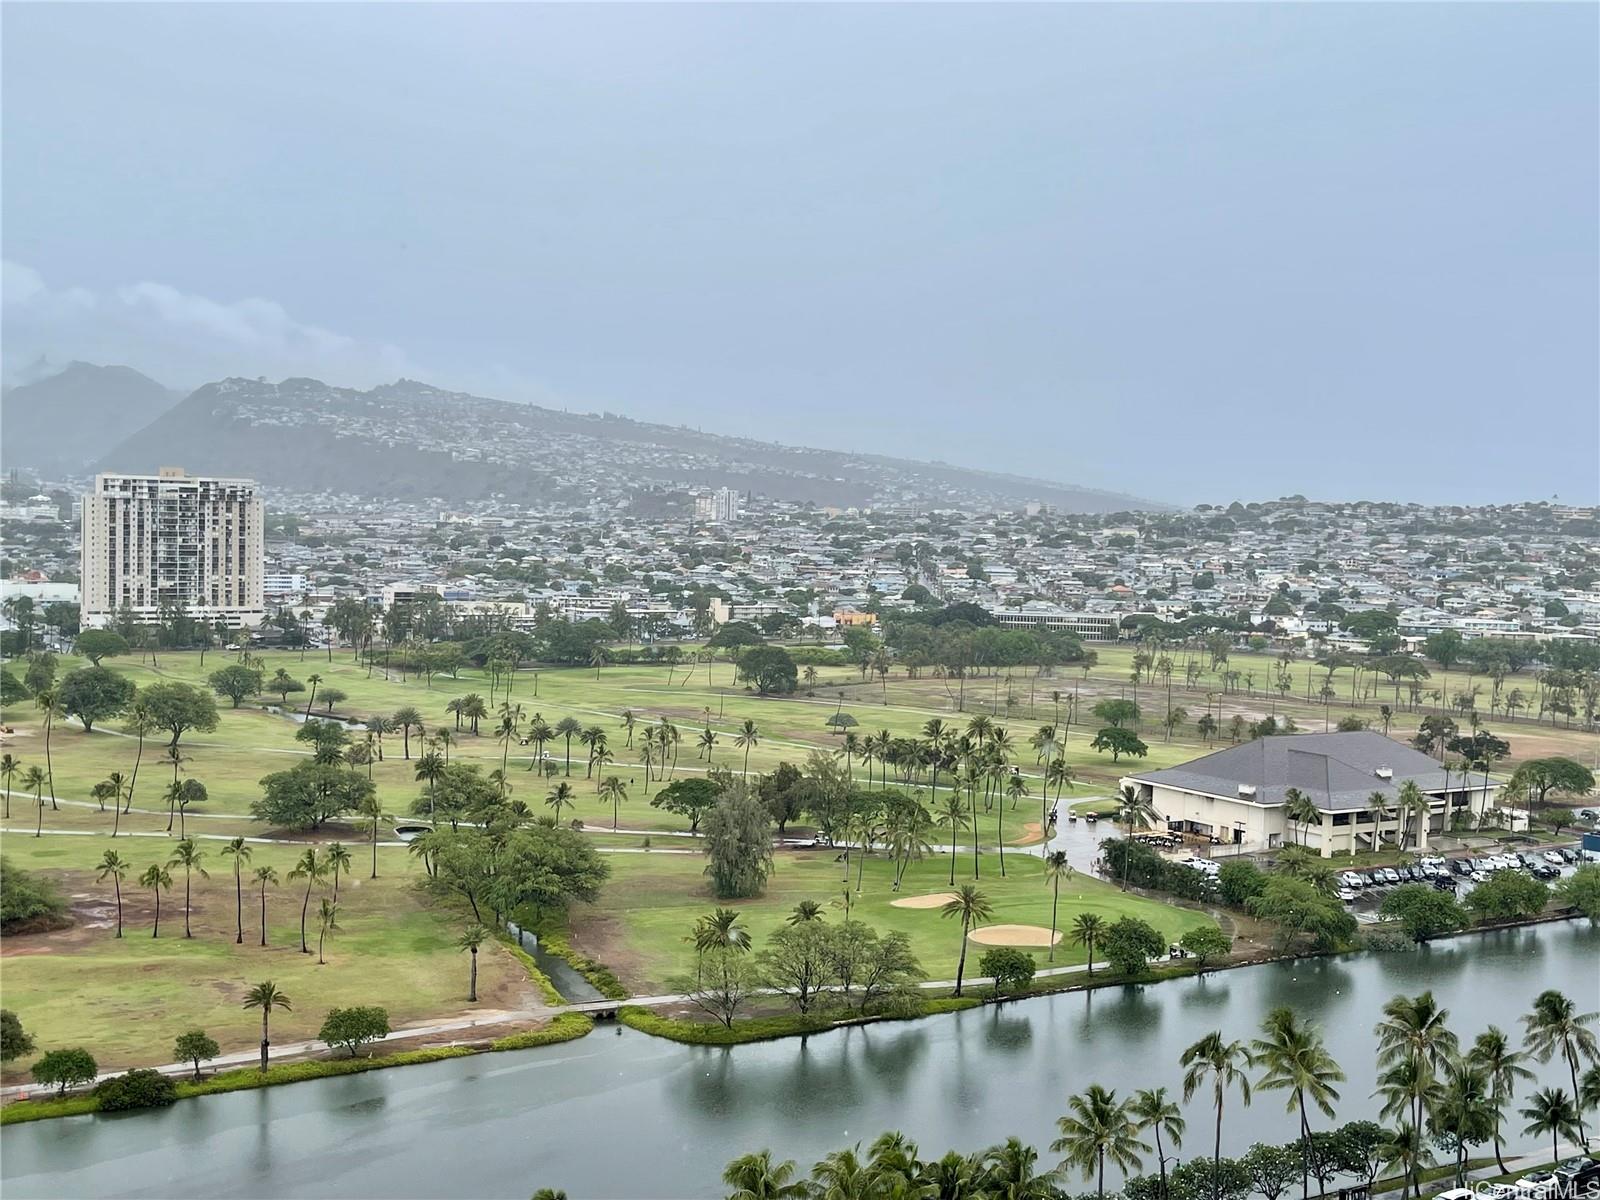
point(1338, 771)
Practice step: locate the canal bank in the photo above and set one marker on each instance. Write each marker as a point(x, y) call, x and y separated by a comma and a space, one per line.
point(621, 1114)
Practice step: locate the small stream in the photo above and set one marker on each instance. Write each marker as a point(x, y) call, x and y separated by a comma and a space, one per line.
point(568, 982)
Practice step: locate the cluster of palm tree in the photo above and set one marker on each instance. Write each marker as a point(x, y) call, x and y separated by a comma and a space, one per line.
point(333, 863)
point(1432, 1091)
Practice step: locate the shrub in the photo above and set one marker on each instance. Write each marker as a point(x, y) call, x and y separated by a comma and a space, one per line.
point(14, 1040)
point(195, 1046)
point(1011, 969)
point(1386, 938)
point(564, 1028)
point(1508, 896)
point(142, 1088)
point(1423, 912)
point(27, 902)
point(1129, 943)
point(66, 1068)
point(1239, 880)
point(1206, 943)
point(354, 1027)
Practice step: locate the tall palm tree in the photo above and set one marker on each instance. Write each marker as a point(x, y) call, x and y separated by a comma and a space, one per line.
point(266, 997)
point(1011, 1172)
point(405, 718)
point(327, 922)
point(115, 868)
point(474, 937)
point(953, 815)
point(311, 869)
point(338, 861)
point(1556, 1024)
point(158, 879)
point(1056, 868)
point(613, 791)
point(973, 908)
point(188, 855)
point(510, 726)
point(117, 785)
point(1224, 1065)
point(1466, 1111)
point(1296, 1060)
point(748, 736)
point(1414, 1040)
point(313, 679)
point(1098, 1126)
point(628, 721)
point(1301, 809)
point(1152, 1109)
point(757, 1177)
point(1492, 1051)
point(567, 728)
point(1378, 806)
point(10, 764)
point(841, 1175)
point(430, 769)
point(264, 876)
point(1133, 808)
point(707, 742)
point(49, 699)
point(1087, 929)
point(239, 851)
point(1552, 1111)
point(33, 780)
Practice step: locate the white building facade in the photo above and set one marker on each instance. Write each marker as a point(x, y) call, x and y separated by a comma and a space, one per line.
point(155, 543)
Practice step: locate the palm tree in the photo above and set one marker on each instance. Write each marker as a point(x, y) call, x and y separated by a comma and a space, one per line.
point(1056, 868)
point(338, 860)
point(187, 854)
point(953, 815)
point(264, 876)
point(1152, 1109)
point(841, 1175)
point(430, 769)
point(310, 868)
point(567, 728)
point(158, 879)
point(806, 910)
point(757, 1177)
point(474, 710)
point(33, 780)
point(404, 718)
point(1297, 1061)
point(1087, 929)
point(749, 735)
point(707, 742)
point(1414, 1040)
point(1299, 808)
point(1466, 1111)
point(1492, 1051)
point(1098, 1126)
point(560, 797)
point(266, 997)
point(1134, 808)
point(10, 764)
point(720, 931)
point(1378, 806)
point(1556, 1024)
point(49, 699)
point(327, 914)
point(1224, 1064)
point(510, 725)
point(116, 785)
point(612, 789)
point(237, 850)
point(474, 937)
point(114, 867)
point(1552, 1111)
point(628, 721)
point(973, 907)
point(313, 680)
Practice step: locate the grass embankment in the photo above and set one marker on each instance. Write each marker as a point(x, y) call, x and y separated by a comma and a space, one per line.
point(564, 1028)
point(766, 1029)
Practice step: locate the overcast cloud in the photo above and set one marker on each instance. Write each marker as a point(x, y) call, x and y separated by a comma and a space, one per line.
point(1191, 252)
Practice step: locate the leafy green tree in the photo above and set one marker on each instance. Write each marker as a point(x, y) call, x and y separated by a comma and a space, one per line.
point(1207, 944)
point(14, 1040)
point(195, 1046)
point(1119, 742)
point(95, 644)
point(770, 668)
point(1116, 713)
point(798, 962)
point(352, 1028)
point(308, 794)
point(727, 979)
point(1581, 890)
point(738, 845)
point(1423, 912)
point(1539, 778)
point(178, 708)
point(62, 1069)
point(1298, 907)
point(1010, 969)
point(1129, 943)
point(94, 694)
point(1508, 896)
point(1272, 1169)
point(236, 682)
point(267, 998)
point(1414, 1043)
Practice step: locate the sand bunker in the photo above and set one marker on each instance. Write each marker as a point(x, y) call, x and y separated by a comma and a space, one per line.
point(1013, 935)
point(937, 900)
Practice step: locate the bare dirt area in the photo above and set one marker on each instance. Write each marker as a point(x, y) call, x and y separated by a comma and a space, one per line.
point(1014, 935)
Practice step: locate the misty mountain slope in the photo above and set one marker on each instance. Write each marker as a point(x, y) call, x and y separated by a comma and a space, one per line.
point(408, 440)
point(64, 422)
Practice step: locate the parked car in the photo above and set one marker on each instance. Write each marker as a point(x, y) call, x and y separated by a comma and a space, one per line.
point(1546, 872)
point(1444, 883)
point(1567, 853)
point(1350, 879)
point(1347, 895)
point(1390, 875)
point(1553, 856)
point(1461, 866)
point(1537, 1185)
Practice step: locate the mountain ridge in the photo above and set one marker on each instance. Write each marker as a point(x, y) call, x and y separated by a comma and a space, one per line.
point(62, 422)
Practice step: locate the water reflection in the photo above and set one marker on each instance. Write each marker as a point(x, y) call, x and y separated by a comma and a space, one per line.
point(1007, 1033)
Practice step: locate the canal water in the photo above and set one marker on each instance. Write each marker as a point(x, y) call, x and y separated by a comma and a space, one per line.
point(620, 1114)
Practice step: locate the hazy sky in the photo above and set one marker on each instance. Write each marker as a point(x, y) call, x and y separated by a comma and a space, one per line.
point(1189, 252)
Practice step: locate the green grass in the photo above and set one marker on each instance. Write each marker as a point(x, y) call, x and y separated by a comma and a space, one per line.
point(765, 1029)
point(639, 924)
point(125, 1000)
point(564, 1028)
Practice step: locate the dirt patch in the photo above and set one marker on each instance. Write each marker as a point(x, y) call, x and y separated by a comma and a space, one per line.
point(1032, 832)
point(1013, 935)
point(936, 900)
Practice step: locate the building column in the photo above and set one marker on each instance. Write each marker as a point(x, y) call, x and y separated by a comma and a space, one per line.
point(1422, 828)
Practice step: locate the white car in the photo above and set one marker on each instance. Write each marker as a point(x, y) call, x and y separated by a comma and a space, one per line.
point(1347, 895)
point(1550, 856)
point(1537, 1185)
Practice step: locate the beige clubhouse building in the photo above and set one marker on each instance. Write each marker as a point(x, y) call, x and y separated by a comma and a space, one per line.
point(1237, 794)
